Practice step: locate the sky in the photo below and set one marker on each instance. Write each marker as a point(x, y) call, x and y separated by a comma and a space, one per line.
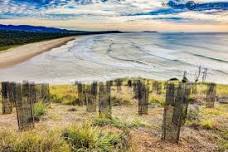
point(124, 15)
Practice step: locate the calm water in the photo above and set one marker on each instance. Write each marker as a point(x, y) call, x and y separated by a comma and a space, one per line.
point(150, 55)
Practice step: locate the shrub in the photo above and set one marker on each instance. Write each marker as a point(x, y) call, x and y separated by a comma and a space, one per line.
point(89, 138)
point(32, 142)
point(115, 122)
point(81, 138)
point(193, 113)
point(39, 109)
point(65, 94)
point(157, 99)
point(208, 124)
point(117, 101)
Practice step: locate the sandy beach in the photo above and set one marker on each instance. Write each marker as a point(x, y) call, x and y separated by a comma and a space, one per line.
point(158, 56)
point(20, 54)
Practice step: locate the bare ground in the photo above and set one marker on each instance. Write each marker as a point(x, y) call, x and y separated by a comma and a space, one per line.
point(143, 139)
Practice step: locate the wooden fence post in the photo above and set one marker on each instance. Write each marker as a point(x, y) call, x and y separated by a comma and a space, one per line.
point(32, 93)
point(129, 83)
point(157, 87)
point(12, 93)
point(211, 95)
point(7, 106)
point(92, 98)
point(142, 94)
point(105, 105)
point(118, 85)
point(45, 93)
point(175, 111)
point(80, 94)
point(24, 107)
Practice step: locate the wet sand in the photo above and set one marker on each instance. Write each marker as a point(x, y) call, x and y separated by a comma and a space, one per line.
point(158, 56)
point(20, 54)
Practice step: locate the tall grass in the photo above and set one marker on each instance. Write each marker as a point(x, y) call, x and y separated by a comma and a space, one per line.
point(32, 142)
point(39, 109)
point(86, 138)
point(65, 94)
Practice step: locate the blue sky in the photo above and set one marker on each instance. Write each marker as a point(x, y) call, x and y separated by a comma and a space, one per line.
point(132, 15)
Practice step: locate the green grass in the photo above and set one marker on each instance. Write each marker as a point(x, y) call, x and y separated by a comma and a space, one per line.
point(89, 138)
point(65, 94)
point(3, 48)
point(157, 99)
point(116, 122)
point(39, 109)
point(32, 142)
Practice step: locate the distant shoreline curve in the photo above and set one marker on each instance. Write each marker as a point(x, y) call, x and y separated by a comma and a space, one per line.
point(22, 53)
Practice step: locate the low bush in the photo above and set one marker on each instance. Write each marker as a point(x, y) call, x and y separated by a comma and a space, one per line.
point(89, 138)
point(208, 124)
point(65, 94)
point(116, 101)
point(39, 109)
point(32, 142)
point(157, 99)
point(115, 122)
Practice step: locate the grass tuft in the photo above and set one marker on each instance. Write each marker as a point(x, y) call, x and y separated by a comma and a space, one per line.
point(40, 109)
point(32, 141)
point(90, 138)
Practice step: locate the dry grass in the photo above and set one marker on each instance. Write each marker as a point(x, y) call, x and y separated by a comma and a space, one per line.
point(143, 133)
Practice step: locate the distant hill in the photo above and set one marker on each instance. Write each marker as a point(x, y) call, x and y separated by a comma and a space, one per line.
point(29, 28)
point(43, 29)
point(12, 35)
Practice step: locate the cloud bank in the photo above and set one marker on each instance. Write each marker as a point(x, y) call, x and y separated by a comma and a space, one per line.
point(131, 15)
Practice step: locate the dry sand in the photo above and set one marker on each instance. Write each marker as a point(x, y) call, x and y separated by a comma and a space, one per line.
point(22, 53)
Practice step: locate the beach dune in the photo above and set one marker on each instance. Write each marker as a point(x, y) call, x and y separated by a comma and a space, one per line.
point(20, 54)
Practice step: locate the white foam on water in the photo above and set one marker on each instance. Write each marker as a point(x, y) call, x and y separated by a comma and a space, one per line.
point(151, 55)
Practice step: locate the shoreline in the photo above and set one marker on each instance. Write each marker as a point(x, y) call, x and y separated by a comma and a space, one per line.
point(22, 53)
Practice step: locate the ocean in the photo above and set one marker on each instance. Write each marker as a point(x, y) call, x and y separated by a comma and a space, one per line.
point(159, 56)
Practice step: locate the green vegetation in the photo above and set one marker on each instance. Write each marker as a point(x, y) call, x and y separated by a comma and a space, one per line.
point(213, 120)
point(65, 94)
point(39, 109)
point(117, 101)
point(157, 99)
point(116, 122)
point(76, 138)
point(89, 138)
point(7, 47)
point(10, 39)
point(32, 141)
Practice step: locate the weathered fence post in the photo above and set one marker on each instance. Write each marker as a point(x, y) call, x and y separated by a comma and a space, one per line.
point(7, 106)
point(129, 83)
point(175, 111)
point(32, 93)
point(211, 95)
point(157, 87)
point(85, 90)
point(92, 96)
point(105, 106)
point(135, 89)
point(142, 94)
point(194, 89)
point(80, 94)
point(45, 93)
point(118, 85)
point(24, 107)
point(12, 93)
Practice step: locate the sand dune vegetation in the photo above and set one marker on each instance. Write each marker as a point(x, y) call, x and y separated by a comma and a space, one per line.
point(71, 118)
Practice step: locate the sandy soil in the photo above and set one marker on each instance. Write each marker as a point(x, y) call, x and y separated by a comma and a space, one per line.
point(22, 53)
point(142, 139)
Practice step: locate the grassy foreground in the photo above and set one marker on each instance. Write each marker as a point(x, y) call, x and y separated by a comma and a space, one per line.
point(63, 126)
